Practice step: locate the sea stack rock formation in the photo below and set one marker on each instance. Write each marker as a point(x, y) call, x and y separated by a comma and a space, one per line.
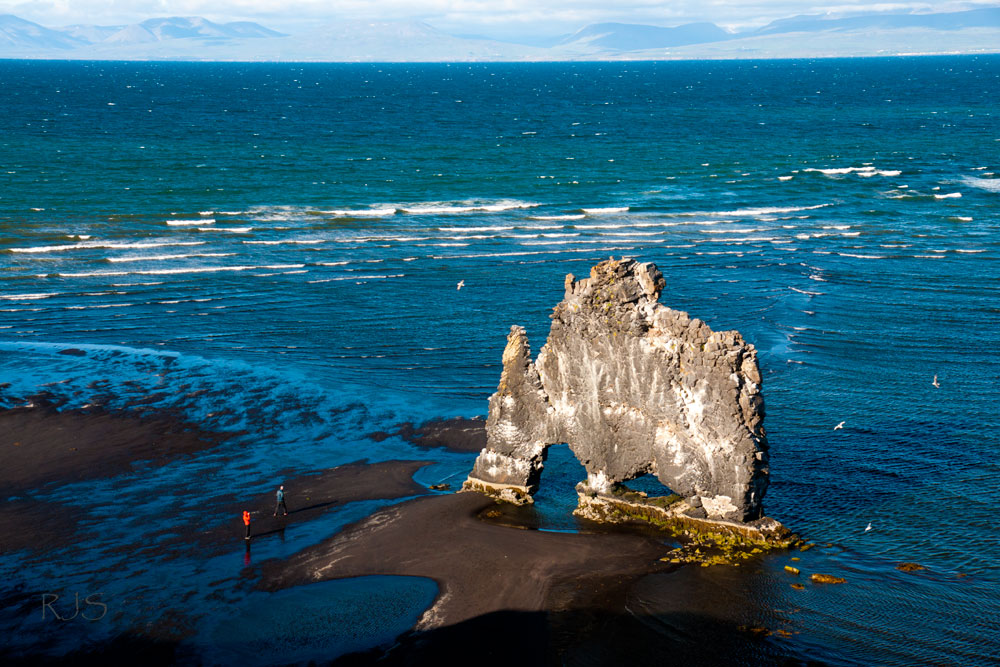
point(632, 387)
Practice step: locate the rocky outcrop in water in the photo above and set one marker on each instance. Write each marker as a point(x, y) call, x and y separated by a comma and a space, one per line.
point(634, 388)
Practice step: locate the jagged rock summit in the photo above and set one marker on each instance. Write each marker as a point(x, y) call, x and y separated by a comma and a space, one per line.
point(634, 388)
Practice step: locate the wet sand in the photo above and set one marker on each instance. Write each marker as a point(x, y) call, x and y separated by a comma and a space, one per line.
point(493, 577)
point(507, 594)
point(40, 446)
point(458, 434)
point(309, 496)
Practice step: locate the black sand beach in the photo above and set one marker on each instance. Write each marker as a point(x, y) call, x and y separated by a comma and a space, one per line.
point(507, 593)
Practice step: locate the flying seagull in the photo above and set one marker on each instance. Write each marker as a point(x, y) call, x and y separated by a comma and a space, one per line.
point(868, 527)
point(461, 284)
point(936, 383)
point(840, 425)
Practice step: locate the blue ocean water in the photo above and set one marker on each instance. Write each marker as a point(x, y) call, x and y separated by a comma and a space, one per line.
point(274, 250)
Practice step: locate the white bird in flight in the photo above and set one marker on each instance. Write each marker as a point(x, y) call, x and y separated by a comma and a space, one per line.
point(840, 425)
point(868, 527)
point(461, 284)
point(936, 383)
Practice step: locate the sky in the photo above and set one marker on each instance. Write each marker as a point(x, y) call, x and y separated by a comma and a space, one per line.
point(492, 18)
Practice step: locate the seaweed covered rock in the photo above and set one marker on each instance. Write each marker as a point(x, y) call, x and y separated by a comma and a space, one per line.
point(634, 388)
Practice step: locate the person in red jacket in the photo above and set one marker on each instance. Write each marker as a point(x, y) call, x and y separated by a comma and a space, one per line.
point(246, 520)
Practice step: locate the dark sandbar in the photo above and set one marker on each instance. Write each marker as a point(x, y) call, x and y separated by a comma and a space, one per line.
point(481, 567)
point(42, 446)
point(458, 434)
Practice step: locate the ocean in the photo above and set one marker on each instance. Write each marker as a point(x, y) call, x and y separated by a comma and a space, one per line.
point(273, 251)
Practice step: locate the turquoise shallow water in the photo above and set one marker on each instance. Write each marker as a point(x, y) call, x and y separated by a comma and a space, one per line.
point(275, 250)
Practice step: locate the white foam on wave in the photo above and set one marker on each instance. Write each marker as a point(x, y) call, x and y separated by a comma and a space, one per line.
point(574, 216)
point(384, 212)
point(286, 242)
point(605, 211)
point(231, 230)
point(804, 291)
point(988, 184)
point(744, 239)
point(631, 225)
point(538, 236)
point(340, 278)
point(105, 245)
point(28, 297)
point(617, 239)
point(630, 233)
point(864, 172)
point(967, 250)
point(526, 253)
point(950, 195)
point(496, 228)
point(785, 178)
point(763, 210)
point(99, 306)
point(860, 256)
point(476, 236)
point(160, 258)
point(189, 223)
point(451, 208)
point(167, 272)
point(732, 230)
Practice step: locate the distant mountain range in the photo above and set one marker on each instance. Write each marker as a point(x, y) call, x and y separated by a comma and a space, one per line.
point(16, 32)
point(193, 38)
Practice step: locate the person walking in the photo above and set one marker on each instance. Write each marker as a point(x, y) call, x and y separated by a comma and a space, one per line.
point(246, 521)
point(280, 495)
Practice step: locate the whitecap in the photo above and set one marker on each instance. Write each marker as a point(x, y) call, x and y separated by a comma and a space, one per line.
point(287, 242)
point(448, 208)
point(362, 213)
point(105, 246)
point(858, 256)
point(499, 228)
point(189, 223)
point(164, 272)
point(865, 172)
point(160, 258)
point(950, 195)
point(785, 178)
point(231, 230)
point(573, 216)
point(340, 278)
point(28, 297)
point(988, 184)
point(764, 210)
point(605, 211)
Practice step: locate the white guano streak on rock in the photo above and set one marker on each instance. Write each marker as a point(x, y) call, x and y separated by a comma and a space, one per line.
point(598, 481)
point(718, 506)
